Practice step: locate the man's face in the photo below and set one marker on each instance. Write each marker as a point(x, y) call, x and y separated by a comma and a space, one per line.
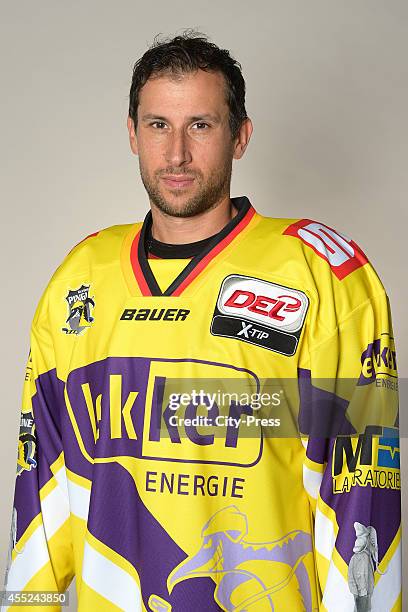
point(183, 133)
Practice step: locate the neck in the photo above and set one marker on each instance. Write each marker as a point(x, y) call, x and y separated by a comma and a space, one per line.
point(183, 230)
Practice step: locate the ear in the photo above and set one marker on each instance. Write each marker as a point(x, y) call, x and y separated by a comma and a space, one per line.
point(132, 135)
point(243, 138)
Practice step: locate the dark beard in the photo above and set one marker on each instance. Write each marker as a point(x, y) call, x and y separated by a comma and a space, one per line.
point(207, 197)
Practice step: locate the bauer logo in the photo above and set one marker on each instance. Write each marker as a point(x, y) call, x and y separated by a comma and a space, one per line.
point(260, 312)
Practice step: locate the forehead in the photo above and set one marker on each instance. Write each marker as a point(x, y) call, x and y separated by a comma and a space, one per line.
point(190, 93)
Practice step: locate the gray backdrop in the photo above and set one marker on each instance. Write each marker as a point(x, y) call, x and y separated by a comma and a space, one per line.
point(327, 92)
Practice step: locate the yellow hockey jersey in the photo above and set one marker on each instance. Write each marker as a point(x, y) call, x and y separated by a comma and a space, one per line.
point(229, 442)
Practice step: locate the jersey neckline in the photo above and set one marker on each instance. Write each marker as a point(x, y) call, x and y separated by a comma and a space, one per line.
point(139, 274)
point(156, 249)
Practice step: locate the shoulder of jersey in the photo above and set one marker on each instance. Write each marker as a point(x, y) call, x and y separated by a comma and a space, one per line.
point(101, 248)
point(328, 253)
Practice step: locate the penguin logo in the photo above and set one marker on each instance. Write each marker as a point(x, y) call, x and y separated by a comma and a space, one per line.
point(80, 306)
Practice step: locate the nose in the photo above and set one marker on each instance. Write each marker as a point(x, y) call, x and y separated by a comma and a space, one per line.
point(177, 151)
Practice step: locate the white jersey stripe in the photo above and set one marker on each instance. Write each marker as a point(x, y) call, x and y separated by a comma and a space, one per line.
point(325, 537)
point(110, 581)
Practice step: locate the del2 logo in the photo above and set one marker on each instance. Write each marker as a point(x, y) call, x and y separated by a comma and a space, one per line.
point(260, 312)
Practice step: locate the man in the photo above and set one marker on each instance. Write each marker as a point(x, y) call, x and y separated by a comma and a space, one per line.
point(211, 392)
point(362, 566)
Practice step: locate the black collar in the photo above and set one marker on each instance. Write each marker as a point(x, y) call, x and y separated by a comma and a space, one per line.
point(165, 250)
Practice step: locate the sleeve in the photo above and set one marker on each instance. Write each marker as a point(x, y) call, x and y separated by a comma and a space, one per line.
point(40, 555)
point(349, 416)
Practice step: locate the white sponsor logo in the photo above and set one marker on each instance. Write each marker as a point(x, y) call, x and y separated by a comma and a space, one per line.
point(330, 244)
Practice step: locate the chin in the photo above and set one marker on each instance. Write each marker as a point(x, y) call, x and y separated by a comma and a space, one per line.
point(181, 211)
point(179, 206)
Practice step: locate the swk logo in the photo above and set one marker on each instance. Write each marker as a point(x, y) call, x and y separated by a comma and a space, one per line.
point(118, 407)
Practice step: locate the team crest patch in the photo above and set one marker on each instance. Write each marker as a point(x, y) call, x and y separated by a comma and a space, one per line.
point(260, 312)
point(26, 443)
point(80, 306)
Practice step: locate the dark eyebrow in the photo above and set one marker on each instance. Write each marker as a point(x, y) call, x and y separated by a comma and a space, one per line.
point(205, 116)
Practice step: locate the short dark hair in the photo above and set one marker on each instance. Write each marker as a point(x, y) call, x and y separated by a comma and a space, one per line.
point(187, 53)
